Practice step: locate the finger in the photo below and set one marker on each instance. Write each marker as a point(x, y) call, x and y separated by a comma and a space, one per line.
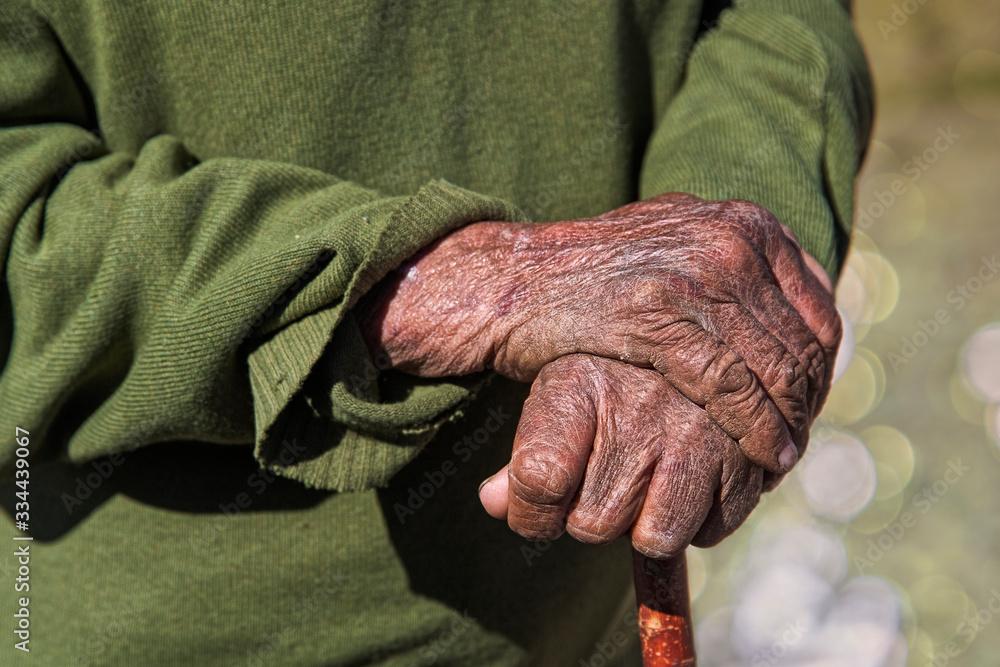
point(756, 255)
point(803, 376)
point(817, 308)
point(830, 320)
point(793, 300)
point(800, 285)
point(710, 374)
point(493, 494)
point(625, 453)
point(678, 500)
point(811, 263)
point(807, 287)
point(551, 448)
point(735, 499)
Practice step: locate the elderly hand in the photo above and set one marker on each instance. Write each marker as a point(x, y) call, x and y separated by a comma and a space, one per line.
point(716, 296)
point(604, 448)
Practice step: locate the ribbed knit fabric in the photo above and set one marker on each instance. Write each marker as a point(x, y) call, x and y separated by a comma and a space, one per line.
point(776, 109)
point(180, 244)
point(194, 194)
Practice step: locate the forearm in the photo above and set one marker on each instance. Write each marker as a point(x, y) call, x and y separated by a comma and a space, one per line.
point(435, 315)
point(713, 295)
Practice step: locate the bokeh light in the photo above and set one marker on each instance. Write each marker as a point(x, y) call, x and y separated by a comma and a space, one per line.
point(981, 363)
point(845, 353)
point(697, 567)
point(993, 424)
point(862, 627)
point(941, 604)
point(829, 546)
point(868, 290)
point(965, 401)
point(877, 515)
point(839, 479)
point(890, 447)
point(858, 391)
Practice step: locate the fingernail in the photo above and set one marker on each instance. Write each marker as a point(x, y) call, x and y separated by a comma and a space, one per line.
point(483, 483)
point(789, 456)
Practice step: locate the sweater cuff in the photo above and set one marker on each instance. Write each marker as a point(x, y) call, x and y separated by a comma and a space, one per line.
point(773, 111)
point(325, 414)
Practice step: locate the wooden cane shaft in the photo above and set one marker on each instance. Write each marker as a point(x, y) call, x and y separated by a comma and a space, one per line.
point(664, 611)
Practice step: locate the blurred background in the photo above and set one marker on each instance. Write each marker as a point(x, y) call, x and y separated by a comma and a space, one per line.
point(883, 547)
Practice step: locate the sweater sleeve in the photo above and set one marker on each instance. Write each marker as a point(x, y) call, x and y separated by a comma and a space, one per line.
point(153, 297)
point(773, 105)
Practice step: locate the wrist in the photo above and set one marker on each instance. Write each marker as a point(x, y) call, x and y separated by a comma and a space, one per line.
point(441, 312)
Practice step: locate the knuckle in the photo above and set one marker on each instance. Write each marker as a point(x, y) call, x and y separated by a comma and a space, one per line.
point(739, 404)
point(788, 382)
point(790, 236)
point(750, 217)
point(753, 223)
point(533, 528)
point(648, 296)
point(720, 525)
point(787, 376)
point(737, 513)
point(657, 544)
point(815, 364)
point(681, 334)
point(602, 515)
point(591, 531)
point(747, 413)
point(690, 426)
point(750, 403)
point(734, 248)
point(741, 494)
point(539, 476)
point(834, 326)
point(736, 499)
point(740, 398)
point(728, 373)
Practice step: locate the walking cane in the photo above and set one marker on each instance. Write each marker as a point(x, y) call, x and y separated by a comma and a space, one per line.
point(664, 611)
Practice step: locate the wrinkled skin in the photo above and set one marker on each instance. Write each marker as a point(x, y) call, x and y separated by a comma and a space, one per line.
point(604, 448)
point(716, 296)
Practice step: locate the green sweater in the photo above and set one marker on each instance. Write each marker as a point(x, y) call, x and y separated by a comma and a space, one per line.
point(194, 194)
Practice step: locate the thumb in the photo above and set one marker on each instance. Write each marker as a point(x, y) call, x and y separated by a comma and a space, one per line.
point(493, 494)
